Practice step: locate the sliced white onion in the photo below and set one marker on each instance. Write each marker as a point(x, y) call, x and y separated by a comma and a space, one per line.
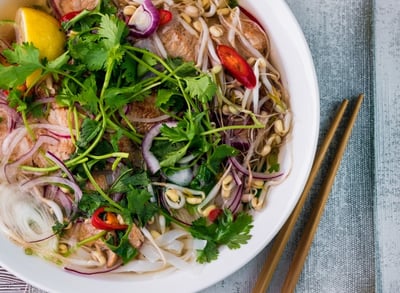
point(47, 180)
point(27, 219)
point(152, 162)
point(181, 177)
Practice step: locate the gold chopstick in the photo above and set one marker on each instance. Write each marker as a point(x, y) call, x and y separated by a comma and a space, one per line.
point(283, 236)
point(304, 245)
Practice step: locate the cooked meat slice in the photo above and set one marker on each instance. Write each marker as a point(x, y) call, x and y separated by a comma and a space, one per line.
point(140, 111)
point(63, 7)
point(178, 42)
point(136, 237)
point(86, 230)
point(254, 34)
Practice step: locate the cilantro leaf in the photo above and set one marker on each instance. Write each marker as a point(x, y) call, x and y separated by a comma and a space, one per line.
point(91, 202)
point(179, 133)
point(88, 96)
point(117, 97)
point(233, 3)
point(87, 50)
point(15, 100)
point(124, 248)
point(150, 61)
point(181, 68)
point(128, 179)
point(59, 62)
point(171, 159)
point(273, 160)
point(111, 31)
point(140, 206)
point(90, 129)
point(208, 253)
point(236, 231)
point(220, 153)
point(201, 87)
point(24, 60)
point(226, 230)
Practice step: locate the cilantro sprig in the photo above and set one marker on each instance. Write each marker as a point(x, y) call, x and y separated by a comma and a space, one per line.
point(232, 231)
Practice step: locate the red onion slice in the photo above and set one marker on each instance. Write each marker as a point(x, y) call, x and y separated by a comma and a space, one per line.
point(41, 140)
point(61, 165)
point(255, 175)
point(145, 20)
point(46, 180)
point(92, 271)
point(234, 201)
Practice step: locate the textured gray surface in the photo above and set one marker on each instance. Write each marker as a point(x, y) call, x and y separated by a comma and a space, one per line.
point(387, 150)
point(356, 48)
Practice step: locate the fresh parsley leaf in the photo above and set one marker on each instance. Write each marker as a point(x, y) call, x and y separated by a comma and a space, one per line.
point(25, 54)
point(169, 98)
point(161, 148)
point(179, 133)
point(129, 70)
point(117, 97)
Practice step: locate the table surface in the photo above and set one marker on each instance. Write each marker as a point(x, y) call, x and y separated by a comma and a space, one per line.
point(355, 45)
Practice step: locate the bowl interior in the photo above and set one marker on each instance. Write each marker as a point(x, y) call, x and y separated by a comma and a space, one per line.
point(292, 56)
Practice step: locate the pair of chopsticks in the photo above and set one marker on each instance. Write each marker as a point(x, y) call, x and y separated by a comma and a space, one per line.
point(304, 244)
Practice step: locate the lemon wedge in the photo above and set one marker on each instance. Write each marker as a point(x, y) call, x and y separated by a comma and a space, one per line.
point(41, 29)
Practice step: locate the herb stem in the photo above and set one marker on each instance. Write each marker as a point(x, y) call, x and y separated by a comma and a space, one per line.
point(98, 188)
point(110, 155)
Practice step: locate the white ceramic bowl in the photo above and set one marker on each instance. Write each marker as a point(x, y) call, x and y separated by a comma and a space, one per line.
point(294, 60)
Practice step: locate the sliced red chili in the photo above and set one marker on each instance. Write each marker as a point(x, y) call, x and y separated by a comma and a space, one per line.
point(68, 16)
point(237, 66)
point(214, 214)
point(103, 220)
point(165, 16)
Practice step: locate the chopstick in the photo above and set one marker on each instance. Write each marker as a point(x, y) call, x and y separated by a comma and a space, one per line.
point(283, 236)
point(305, 242)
